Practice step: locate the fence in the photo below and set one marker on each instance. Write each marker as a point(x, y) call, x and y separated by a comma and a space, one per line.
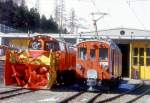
point(6, 29)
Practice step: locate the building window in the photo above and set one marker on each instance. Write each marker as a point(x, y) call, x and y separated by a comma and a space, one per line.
point(141, 61)
point(135, 52)
point(141, 50)
point(148, 61)
point(135, 56)
point(135, 61)
point(147, 51)
point(148, 56)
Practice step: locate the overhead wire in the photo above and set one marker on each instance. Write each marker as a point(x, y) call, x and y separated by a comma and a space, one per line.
point(94, 4)
point(96, 10)
point(135, 14)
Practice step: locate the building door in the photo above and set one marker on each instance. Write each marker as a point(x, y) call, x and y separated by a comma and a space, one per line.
point(147, 62)
point(125, 49)
point(141, 63)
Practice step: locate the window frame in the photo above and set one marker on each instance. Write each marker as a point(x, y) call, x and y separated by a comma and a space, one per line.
point(147, 57)
point(92, 57)
point(135, 56)
point(31, 45)
point(84, 54)
point(141, 57)
point(101, 60)
point(55, 46)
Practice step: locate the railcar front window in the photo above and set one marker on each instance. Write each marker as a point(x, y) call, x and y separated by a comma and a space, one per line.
point(82, 53)
point(36, 45)
point(103, 54)
point(52, 46)
point(49, 46)
point(92, 54)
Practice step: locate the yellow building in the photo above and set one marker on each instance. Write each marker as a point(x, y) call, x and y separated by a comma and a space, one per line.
point(140, 59)
point(21, 43)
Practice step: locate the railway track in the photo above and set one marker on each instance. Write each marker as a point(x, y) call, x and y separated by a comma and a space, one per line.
point(140, 90)
point(13, 93)
point(93, 99)
point(71, 98)
point(79, 97)
point(128, 96)
point(138, 97)
point(9, 91)
point(119, 95)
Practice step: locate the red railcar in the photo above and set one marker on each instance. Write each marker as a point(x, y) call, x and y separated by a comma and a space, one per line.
point(98, 61)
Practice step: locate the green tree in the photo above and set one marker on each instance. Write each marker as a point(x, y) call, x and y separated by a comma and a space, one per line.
point(19, 17)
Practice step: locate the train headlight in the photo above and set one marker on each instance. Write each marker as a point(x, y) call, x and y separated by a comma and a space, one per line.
point(104, 65)
point(78, 66)
point(92, 74)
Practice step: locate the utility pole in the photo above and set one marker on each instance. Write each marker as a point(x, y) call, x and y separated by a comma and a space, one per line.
point(96, 20)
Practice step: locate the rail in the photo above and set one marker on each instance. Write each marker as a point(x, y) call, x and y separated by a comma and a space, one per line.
point(13, 93)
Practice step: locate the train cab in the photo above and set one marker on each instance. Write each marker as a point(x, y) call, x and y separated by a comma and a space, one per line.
point(40, 46)
point(97, 61)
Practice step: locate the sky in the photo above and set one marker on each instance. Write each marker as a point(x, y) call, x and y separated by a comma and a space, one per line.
point(121, 13)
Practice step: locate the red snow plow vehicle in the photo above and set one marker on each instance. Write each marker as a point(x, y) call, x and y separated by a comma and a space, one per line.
point(40, 66)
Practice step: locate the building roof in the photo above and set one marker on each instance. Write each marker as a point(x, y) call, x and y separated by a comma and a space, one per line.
point(116, 33)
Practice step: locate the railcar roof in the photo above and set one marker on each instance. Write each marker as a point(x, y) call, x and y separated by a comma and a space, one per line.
point(108, 41)
point(94, 40)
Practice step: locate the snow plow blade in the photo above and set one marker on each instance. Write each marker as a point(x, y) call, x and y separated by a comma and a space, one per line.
point(28, 72)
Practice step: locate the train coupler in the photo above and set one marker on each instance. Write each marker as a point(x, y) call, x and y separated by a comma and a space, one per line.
point(91, 83)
